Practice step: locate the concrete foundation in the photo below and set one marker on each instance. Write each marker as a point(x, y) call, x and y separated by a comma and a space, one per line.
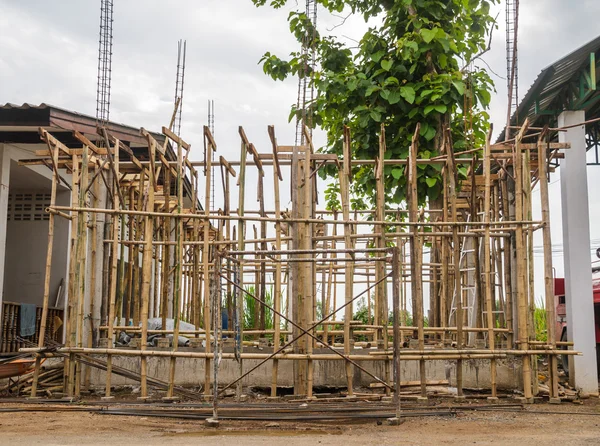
point(190, 372)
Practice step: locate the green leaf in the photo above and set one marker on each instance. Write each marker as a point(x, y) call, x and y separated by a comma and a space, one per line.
point(431, 181)
point(428, 110)
point(441, 108)
point(397, 172)
point(460, 87)
point(394, 97)
point(371, 89)
point(428, 34)
point(408, 93)
point(429, 134)
point(413, 111)
point(376, 116)
point(386, 64)
point(376, 57)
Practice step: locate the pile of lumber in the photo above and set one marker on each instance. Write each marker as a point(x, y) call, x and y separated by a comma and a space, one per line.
point(50, 382)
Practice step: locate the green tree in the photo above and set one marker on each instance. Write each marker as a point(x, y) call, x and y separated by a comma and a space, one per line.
point(414, 67)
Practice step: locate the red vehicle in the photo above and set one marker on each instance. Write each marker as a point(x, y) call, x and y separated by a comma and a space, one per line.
point(561, 313)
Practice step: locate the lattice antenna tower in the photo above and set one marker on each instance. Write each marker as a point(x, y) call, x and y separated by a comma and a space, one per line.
point(104, 62)
point(305, 86)
point(512, 66)
point(211, 126)
point(179, 81)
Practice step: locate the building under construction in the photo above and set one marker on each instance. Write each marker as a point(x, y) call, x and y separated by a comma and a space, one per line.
point(136, 278)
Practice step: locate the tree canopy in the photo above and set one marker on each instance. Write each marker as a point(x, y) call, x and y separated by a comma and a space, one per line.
point(414, 67)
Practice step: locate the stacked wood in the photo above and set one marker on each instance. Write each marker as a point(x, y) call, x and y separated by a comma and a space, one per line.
point(50, 381)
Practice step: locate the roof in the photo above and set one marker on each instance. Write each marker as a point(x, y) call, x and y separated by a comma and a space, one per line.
point(567, 84)
point(17, 120)
point(19, 124)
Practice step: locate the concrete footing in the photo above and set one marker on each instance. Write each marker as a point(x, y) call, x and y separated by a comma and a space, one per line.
point(212, 422)
point(394, 421)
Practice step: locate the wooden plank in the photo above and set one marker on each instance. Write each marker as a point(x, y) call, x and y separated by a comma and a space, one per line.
point(171, 135)
point(271, 131)
point(227, 165)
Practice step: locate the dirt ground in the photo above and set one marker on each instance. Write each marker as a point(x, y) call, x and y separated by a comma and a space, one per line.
point(536, 424)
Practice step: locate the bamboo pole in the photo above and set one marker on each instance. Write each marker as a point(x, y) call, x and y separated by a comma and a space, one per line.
point(277, 274)
point(345, 178)
point(521, 265)
point(147, 271)
point(72, 305)
point(548, 271)
point(113, 268)
point(487, 260)
point(48, 271)
point(241, 233)
point(178, 270)
point(206, 253)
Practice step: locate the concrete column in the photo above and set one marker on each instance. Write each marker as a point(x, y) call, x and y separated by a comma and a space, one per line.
point(4, 181)
point(576, 242)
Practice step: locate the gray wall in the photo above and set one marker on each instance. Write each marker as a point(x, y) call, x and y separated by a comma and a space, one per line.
point(26, 249)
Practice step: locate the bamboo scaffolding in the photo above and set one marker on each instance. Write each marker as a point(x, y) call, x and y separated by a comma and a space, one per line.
point(168, 256)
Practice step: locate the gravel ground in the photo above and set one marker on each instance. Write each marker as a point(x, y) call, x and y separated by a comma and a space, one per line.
point(536, 424)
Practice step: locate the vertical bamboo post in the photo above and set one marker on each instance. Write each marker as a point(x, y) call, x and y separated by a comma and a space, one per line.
point(345, 178)
point(147, 269)
point(306, 267)
point(396, 271)
point(277, 275)
point(113, 267)
point(210, 148)
point(215, 299)
point(521, 264)
point(179, 235)
point(487, 259)
point(71, 326)
point(506, 256)
point(241, 234)
point(380, 298)
point(48, 271)
point(548, 272)
point(451, 182)
point(93, 279)
point(82, 255)
point(416, 254)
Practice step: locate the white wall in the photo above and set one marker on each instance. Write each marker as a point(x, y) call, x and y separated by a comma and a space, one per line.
point(26, 249)
point(23, 257)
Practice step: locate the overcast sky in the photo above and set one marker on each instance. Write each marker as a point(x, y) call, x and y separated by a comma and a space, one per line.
point(49, 50)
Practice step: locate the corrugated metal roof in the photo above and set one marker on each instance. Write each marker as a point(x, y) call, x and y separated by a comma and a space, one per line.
point(551, 87)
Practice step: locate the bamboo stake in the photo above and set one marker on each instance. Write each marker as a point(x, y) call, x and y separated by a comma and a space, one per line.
point(147, 272)
point(205, 255)
point(277, 274)
point(548, 271)
point(345, 178)
point(521, 265)
point(487, 260)
point(241, 233)
point(48, 270)
point(113, 269)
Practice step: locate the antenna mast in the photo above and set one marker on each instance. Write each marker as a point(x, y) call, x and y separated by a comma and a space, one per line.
point(179, 80)
point(305, 87)
point(104, 61)
point(512, 69)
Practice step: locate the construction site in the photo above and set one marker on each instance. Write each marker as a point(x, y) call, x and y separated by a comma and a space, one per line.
point(145, 299)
